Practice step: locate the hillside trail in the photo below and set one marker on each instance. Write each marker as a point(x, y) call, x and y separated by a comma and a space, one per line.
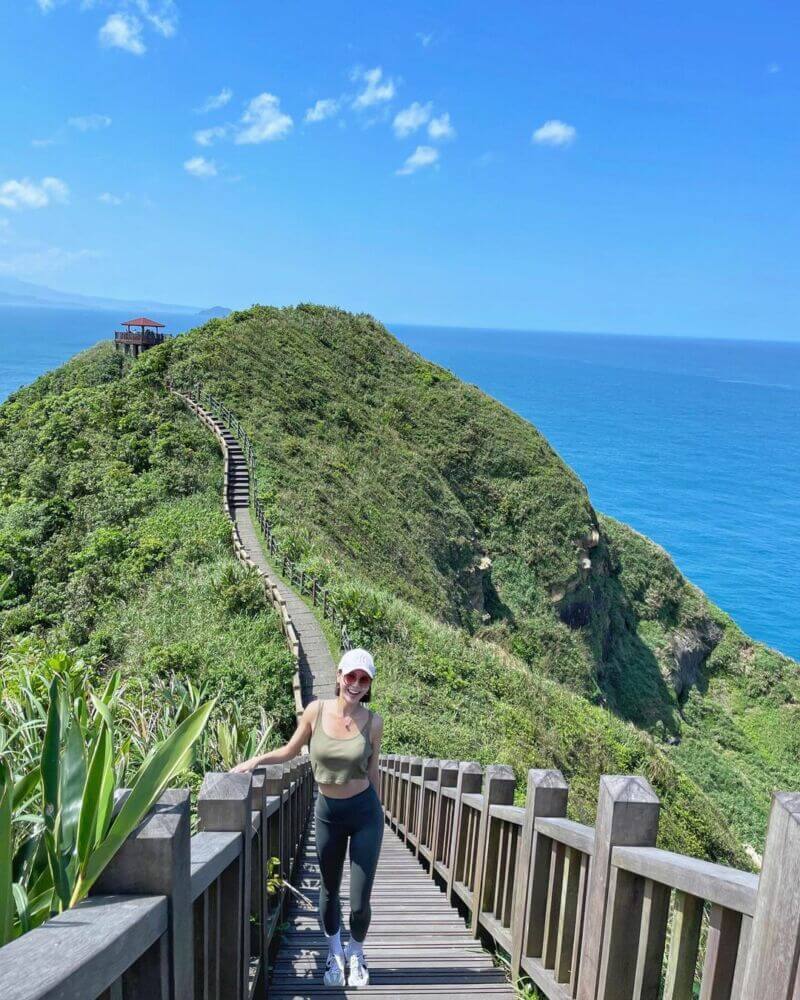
point(419, 945)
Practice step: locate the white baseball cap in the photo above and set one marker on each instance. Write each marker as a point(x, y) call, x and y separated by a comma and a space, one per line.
point(357, 659)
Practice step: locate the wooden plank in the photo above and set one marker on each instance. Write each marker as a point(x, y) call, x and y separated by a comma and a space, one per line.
point(510, 814)
point(728, 887)
point(83, 951)
point(652, 936)
point(741, 958)
point(555, 880)
point(576, 944)
point(722, 946)
point(567, 832)
point(566, 916)
point(418, 945)
point(210, 855)
point(685, 941)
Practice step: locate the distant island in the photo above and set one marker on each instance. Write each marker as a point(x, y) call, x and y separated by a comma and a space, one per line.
point(14, 292)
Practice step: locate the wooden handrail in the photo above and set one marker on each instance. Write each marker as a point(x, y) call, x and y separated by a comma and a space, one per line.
point(178, 917)
point(583, 911)
point(199, 399)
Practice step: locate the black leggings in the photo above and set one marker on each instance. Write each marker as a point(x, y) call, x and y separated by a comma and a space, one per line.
point(361, 819)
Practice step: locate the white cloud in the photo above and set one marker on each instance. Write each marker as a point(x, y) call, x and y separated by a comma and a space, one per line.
point(216, 101)
point(441, 127)
point(43, 260)
point(411, 118)
point(554, 133)
point(123, 31)
point(208, 136)
point(423, 156)
point(199, 166)
point(328, 107)
point(163, 16)
point(264, 121)
point(424, 38)
point(42, 143)
point(89, 123)
point(45, 5)
point(107, 198)
point(773, 68)
point(26, 193)
point(376, 89)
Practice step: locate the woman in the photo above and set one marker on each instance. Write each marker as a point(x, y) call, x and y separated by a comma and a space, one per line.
point(344, 738)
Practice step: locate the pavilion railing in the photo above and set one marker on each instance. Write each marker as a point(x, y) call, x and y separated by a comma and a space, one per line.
point(149, 339)
point(175, 917)
point(600, 913)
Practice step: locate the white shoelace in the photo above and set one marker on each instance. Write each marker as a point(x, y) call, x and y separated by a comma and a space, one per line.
point(334, 971)
point(359, 973)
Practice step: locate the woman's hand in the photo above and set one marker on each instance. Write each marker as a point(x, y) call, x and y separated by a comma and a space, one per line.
point(247, 766)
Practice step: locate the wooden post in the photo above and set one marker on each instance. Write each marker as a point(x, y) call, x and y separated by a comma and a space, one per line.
point(414, 771)
point(156, 859)
point(396, 759)
point(388, 785)
point(498, 789)
point(430, 772)
point(546, 796)
point(448, 778)
point(402, 792)
point(627, 815)
point(469, 781)
point(224, 805)
point(258, 869)
point(773, 964)
point(273, 786)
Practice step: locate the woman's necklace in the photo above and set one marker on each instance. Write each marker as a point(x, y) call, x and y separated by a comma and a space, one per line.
point(347, 719)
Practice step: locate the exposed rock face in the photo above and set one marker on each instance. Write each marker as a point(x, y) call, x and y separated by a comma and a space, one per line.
point(583, 547)
point(476, 583)
point(689, 649)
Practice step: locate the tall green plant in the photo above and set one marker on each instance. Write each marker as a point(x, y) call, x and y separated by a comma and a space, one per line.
point(58, 829)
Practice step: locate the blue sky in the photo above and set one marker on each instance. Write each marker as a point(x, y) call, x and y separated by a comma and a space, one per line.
point(624, 167)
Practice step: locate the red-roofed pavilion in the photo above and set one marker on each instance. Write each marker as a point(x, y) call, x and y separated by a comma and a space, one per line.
point(138, 334)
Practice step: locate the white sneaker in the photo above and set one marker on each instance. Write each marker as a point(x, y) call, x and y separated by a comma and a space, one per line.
point(358, 971)
point(334, 971)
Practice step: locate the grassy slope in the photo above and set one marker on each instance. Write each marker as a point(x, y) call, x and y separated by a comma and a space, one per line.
point(110, 521)
point(393, 479)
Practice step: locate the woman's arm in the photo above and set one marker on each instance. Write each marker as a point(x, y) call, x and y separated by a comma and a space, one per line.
point(375, 735)
point(301, 737)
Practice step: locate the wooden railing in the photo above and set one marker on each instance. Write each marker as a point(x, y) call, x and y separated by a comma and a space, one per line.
point(307, 584)
point(600, 912)
point(174, 916)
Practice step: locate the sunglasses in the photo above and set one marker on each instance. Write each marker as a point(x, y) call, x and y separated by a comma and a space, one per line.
point(357, 677)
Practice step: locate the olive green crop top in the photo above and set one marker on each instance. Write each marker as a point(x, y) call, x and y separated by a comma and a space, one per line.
point(335, 760)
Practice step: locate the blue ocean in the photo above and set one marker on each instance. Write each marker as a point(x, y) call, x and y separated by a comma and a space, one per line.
point(695, 443)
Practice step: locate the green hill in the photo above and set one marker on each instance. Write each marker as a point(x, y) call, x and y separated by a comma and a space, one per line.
point(512, 622)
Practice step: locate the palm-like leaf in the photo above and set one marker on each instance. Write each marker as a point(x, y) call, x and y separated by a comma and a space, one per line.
point(6, 898)
point(152, 778)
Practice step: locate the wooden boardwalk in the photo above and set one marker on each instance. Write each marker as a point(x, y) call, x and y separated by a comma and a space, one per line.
point(317, 667)
point(418, 945)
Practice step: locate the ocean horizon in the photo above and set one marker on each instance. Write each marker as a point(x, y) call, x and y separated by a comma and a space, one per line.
point(693, 442)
